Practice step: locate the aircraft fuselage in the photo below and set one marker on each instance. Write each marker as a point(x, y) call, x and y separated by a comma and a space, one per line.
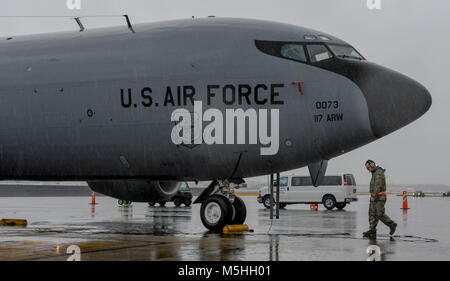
point(179, 100)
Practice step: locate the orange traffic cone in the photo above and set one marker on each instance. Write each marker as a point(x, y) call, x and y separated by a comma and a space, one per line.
point(314, 207)
point(93, 198)
point(405, 200)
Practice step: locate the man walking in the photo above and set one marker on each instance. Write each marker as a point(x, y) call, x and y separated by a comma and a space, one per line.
point(377, 201)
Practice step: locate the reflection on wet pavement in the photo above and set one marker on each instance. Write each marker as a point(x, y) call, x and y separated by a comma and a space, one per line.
point(107, 231)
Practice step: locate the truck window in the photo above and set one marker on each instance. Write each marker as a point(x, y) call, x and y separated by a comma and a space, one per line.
point(184, 186)
point(283, 181)
point(306, 181)
point(301, 181)
point(349, 179)
point(332, 180)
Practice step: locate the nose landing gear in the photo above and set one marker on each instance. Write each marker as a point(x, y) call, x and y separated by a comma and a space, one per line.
point(220, 206)
point(216, 211)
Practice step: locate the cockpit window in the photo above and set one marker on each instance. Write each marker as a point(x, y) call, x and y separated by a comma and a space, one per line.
point(345, 51)
point(286, 50)
point(294, 51)
point(324, 38)
point(318, 52)
point(310, 37)
point(304, 52)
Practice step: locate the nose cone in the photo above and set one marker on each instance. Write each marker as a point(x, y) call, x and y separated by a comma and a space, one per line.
point(394, 100)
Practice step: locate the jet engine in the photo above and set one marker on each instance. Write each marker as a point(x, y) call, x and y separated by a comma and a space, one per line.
point(136, 190)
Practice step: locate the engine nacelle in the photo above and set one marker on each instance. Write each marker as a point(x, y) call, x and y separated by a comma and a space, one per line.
point(136, 190)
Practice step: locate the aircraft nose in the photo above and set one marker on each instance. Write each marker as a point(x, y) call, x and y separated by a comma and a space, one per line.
point(394, 100)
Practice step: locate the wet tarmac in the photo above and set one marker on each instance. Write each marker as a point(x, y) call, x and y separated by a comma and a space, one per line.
point(107, 231)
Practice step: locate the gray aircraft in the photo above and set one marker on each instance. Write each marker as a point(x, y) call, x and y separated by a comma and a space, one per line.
point(136, 111)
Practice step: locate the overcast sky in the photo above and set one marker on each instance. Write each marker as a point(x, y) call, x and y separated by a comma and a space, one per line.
point(410, 36)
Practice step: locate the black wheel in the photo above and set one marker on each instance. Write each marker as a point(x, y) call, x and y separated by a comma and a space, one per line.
point(240, 211)
point(151, 203)
point(283, 205)
point(266, 201)
point(188, 203)
point(177, 202)
point(216, 211)
point(341, 205)
point(329, 202)
point(162, 203)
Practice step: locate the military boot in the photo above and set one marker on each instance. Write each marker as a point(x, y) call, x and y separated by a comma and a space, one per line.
point(371, 234)
point(392, 227)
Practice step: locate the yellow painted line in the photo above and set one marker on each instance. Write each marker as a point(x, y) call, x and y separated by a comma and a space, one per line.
point(13, 222)
point(247, 194)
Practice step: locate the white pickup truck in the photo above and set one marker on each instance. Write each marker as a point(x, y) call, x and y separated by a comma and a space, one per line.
point(335, 191)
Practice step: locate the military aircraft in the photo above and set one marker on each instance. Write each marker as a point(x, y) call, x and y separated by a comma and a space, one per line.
point(136, 112)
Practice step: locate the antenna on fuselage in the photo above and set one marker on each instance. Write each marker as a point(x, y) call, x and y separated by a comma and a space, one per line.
point(78, 19)
point(80, 24)
point(127, 18)
point(129, 23)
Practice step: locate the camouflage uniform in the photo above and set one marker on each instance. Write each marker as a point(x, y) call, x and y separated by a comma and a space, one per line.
point(378, 193)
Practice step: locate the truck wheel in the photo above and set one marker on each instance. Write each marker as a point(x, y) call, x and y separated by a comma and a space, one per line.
point(329, 202)
point(341, 205)
point(240, 211)
point(266, 201)
point(216, 211)
point(177, 202)
point(162, 203)
point(188, 203)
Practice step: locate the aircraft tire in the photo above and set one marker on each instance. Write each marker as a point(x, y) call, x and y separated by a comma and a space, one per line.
point(162, 203)
point(177, 202)
point(216, 212)
point(240, 211)
point(341, 206)
point(151, 203)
